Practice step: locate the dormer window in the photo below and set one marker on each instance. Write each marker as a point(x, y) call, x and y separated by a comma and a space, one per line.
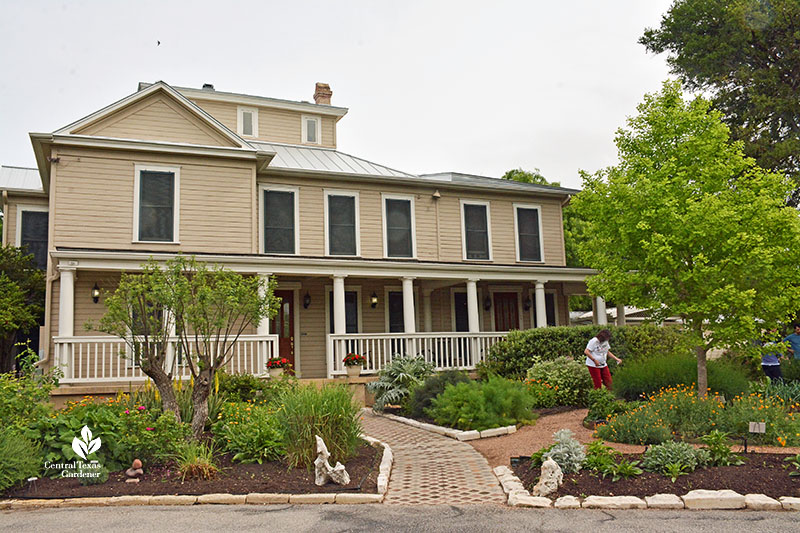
point(248, 121)
point(311, 130)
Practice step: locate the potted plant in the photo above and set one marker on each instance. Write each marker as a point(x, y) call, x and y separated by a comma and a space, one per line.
point(275, 366)
point(354, 363)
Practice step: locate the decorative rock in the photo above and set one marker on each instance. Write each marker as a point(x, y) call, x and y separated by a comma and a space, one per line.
point(550, 480)
point(358, 498)
point(494, 432)
point(173, 500)
point(790, 504)
point(134, 471)
point(228, 499)
point(513, 486)
point(469, 435)
point(713, 499)
point(664, 501)
point(761, 502)
point(312, 498)
point(323, 469)
point(501, 470)
point(383, 483)
point(567, 502)
point(136, 464)
point(614, 502)
point(132, 480)
point(261, 498)
point(521, 498)
point(511, 429)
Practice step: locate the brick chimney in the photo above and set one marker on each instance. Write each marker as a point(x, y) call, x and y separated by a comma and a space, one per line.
point(322, 94)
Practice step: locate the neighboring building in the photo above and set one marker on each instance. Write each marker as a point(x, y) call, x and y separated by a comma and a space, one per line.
point(368, 259)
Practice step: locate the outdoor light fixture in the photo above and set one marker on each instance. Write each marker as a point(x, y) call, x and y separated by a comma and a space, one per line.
point(487, 303)
point(306, 300)
point(95, 293)
point(527, 304)
point(373, 300)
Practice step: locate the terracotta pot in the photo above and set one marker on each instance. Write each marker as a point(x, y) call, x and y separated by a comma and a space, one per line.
point(275, 372)
point(353, 371)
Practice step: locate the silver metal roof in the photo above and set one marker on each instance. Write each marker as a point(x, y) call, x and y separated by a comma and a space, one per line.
point(308, 158)
point(20, 179)
point(472, 179)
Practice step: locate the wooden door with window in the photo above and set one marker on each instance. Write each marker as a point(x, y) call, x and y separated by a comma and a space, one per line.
point(283, 325)
point(506, 311)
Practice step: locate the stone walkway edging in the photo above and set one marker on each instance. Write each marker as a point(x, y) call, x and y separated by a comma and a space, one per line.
point(450, 432)
point(385, 470)
point(518, 496)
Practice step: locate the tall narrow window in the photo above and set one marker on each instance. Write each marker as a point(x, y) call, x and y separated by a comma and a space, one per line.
point(529, 245)
point(342, 215)
point(156, 200)
point(399, 227)
point(33, 235)
point(280, 221)
point(311, 129)
point(350, 312)
point(248, 121)
point(476, 231)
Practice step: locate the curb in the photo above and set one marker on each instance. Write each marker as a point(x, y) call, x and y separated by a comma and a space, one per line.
point(450, 432)
point(699, 499)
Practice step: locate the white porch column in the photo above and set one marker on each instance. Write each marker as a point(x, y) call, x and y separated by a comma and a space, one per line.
point(409, 323)
point(263, 326)
point(339, 320)
point(66, 303)
point(620, 314)
point(472, 306)
point(602, 318)
point(427, 318)
point(541, 305)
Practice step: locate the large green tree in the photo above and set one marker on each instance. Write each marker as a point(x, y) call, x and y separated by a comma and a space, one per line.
point(21, 300)
point(745, 53)
point(687, 225)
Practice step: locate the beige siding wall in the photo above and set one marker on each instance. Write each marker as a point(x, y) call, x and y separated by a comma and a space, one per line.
point(94, 202)
point(157, 118)
point(274, 125)
point(16, 201)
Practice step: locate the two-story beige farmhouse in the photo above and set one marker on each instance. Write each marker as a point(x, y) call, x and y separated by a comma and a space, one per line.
point(368, 259)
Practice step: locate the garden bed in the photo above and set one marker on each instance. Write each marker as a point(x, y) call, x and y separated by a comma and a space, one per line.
point(763, 473)
point(233, 478)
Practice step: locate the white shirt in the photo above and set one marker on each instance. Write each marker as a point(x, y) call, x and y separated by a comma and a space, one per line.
point(599, 351)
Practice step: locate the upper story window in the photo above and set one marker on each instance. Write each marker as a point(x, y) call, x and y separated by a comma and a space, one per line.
point(398, 225)
point(341, 223)
point(155, 203)
point(279, 208)
point(312, 129)
point(247, 121)
point(528, 230)
point(32, 226)
point(476, 238)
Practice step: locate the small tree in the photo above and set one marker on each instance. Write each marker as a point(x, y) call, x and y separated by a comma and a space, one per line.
point(21, 300)
point(687, 225)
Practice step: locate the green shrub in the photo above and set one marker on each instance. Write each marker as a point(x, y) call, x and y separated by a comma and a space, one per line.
point(686, 457)
point(543, 394)
point(719, 450)
point(250, 432)
point(24, 399)
point(782, 425)
point(329, 412)
point(640, 426)
point(423, 395)
point(567, 452)
point(398, 379)
point(603, 404)
point(788, 391)
point(240, 387)
point(482, 405)
point(640, 378)
point(599, 456)
point(513, 356)
point(570, 380)
point(21, 458)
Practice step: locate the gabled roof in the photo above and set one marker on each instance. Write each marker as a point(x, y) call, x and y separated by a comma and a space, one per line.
point(20, 179)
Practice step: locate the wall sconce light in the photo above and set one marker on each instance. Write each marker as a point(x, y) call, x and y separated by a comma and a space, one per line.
point(373, 300)
point(487, 303)
point(306, 300)
point(527, 303)
point(95, 293)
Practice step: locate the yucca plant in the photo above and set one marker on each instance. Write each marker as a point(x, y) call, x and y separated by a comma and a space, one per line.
point(398, 379)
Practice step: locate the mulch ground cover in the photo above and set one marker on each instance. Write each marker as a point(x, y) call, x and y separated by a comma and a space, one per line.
point(762, 473)
point(233, 478)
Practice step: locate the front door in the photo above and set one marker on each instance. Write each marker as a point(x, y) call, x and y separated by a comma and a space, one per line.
point(283, 325)
point(506, 312)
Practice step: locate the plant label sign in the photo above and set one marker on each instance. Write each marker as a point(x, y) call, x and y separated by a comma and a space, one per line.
point(758, 427)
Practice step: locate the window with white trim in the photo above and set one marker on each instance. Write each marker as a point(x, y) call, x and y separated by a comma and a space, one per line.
point(528, 226)
point(279, 220)
point(341, 223)
point(398, 225)
point(477, 242)
point(156, 203)
point(247, 121)
point(32, 226)
point(312, 129)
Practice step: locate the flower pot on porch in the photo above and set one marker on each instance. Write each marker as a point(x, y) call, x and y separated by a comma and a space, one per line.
point(353, 371)
point(275, 372)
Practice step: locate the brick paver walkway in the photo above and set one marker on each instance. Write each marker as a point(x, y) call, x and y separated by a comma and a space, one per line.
point(432, 469)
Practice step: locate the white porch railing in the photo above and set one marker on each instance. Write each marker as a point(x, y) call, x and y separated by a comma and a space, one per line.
point(445, 350)
point(99, 359)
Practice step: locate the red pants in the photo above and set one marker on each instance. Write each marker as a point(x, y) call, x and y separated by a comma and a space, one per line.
point(600, 376)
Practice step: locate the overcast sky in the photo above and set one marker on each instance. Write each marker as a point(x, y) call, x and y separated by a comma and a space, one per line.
point(475, 87)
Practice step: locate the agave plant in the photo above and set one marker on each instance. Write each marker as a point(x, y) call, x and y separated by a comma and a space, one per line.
point(398, 379)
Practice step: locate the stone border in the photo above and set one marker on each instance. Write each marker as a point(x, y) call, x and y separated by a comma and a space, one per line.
point(254, 498)
point(449, 432)
point(695, 499)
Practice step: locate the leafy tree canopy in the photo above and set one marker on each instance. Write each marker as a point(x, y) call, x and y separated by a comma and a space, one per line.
point(21, 300)
point(687, 225)
point(746, 54)
point(527, 176)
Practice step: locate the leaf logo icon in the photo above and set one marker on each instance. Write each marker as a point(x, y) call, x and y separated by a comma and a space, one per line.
point(85, 446)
